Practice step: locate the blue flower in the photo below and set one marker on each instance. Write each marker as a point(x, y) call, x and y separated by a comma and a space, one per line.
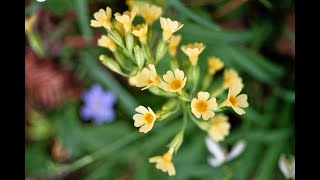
point(98, 105)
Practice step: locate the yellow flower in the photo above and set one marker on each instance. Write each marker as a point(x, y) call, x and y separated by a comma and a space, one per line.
point(119, 27)
point(147, 77)
point(219, 127)
point(132, 81)
point(202, 106)
point(150, 13)
point(169, 27)
point(193, 51)
point(102, 18)
point(28, 23)
point(236, 101)
point(164, 162)
point(126, 19)
point(140, 31)
point(174, 82)
point(230, 77)
point(145, 119)
point(214, 65)
point(174, 42)
point(107, 42)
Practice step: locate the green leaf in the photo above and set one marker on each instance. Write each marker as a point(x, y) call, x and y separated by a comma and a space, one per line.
point(176, 4)
point(36, 160)
point(83, 18)
point(248, 61)
point(194, 32)
point(58, 7)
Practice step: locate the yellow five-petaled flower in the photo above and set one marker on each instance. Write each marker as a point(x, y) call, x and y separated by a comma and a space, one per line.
point(214, 65)
point(230, 77)
point(145, 119)
point(193, 51)
point(169, 27)
point(219, 127)
point(107, 42)
point(164, 162)
point(102, 18)
point(126, 19)
point(236, 101)
point(150, 13)
point(203, 106)
point(140, 31)
point(174, 82)
point(147, 78)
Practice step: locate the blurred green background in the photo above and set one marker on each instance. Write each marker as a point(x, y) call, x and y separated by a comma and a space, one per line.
point(254, 37)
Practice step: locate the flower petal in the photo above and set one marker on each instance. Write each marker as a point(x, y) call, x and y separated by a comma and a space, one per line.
point(215, 149)
point(141, 109)
point(207, 115)
point(212, 103)
point(179, 74)
point(236, 150)
point(242, 100)
point(238, 110)
point(203, 95)
point(168, 77)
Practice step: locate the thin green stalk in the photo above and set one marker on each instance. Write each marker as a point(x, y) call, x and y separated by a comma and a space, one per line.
point(99, 154)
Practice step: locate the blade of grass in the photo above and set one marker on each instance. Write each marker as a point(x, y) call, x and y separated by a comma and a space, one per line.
point(176, 4)
point(83, 18)
point(270, 160)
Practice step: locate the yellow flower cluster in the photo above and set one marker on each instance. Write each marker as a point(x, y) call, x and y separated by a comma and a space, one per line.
point(135, 58)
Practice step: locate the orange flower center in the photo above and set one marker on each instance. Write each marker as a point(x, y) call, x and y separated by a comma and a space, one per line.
point(201, 106)
point(167, 157)
point(233, 100)
point(149, 81)
point(148, 118)
point(176, 84)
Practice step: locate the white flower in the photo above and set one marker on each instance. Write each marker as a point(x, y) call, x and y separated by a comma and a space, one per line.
point(287, 166)
point(220, 156)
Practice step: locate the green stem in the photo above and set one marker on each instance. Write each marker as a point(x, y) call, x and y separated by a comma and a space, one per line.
point(88, 159)
point(202, 126)
point(206, 81)
point(216, 92)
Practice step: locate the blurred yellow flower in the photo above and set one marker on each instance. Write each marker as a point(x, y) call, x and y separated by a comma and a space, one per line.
point(174, 82)
point(174, 42)
point(236, 101)
point(214, 65)
point(28, 23)
point(140, 31)
point(102, 18)
point(169, 27)
point(164, 162)
point(126, 19)
point(145, 119)
point(147, 77)
point(203, 106)
point(219, 127)
point(230, 77)
point(150, 13)
point(107, 42)
point(193, 51)
point(119, 27)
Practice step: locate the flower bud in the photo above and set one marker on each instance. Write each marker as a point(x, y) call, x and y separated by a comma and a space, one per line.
point(138, 56)
point(129, 41)
point(110, 63)
point(161, 50)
